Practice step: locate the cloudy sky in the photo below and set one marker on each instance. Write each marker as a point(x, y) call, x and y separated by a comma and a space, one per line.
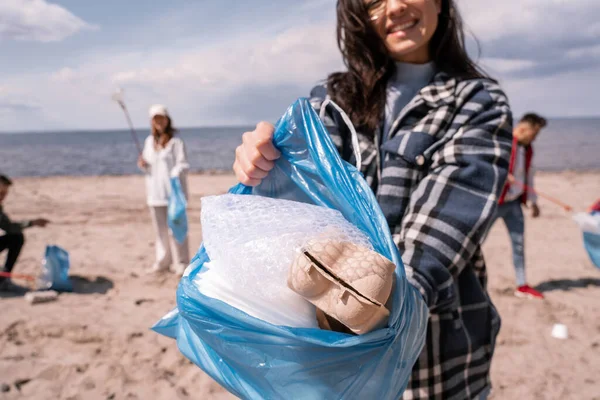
point(236, 62)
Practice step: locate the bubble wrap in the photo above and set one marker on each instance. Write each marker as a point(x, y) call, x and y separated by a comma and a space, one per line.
point(288, 309)
point(255, 239)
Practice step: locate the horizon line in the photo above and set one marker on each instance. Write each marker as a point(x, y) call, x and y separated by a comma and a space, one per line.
point(137, 129)
point(145, 128)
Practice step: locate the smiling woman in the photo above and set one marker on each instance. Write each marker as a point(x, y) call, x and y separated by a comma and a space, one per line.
point(434, 136)
point(410, 31)
point(406, 38)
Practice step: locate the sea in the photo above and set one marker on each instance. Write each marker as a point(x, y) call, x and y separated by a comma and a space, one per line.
point(565, 144)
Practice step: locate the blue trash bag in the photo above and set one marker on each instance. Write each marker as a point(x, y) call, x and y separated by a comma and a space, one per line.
point(590, 226)
point(55, 270)
point(591, 241)
point(256, 360)
point(176, 212)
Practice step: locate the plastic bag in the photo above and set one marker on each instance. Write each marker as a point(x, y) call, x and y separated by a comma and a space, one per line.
point(285, 310)
point(55, 270)
point(252, 242)
point(177, 214)
point(591, 242)
point(257, 360)
point(590, 225)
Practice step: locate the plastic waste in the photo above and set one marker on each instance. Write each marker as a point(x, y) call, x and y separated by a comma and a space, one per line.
point(254, 359)
point(590, 225)
point(252, 242)
point(38, 297)
point(176, 212)
point(287, 309)
point(560, 331)
point(55, 270)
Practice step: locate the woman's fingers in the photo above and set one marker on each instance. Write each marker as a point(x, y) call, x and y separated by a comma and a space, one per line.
point(264, 141)
point(256, 156)
point(251, 167)
point(242, 176)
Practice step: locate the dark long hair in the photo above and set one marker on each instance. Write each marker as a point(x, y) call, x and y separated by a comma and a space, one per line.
point(169, 130)
point(361, 90)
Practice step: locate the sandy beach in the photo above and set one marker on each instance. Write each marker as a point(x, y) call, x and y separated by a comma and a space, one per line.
point(96, 343)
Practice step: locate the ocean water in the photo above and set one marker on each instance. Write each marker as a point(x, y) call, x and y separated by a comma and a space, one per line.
point(107, 152)
point(565, 144)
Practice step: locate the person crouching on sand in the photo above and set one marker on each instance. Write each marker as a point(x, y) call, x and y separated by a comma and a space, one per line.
point(12, 238)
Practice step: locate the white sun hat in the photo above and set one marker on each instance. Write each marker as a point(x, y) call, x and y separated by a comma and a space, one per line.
point(158, 109)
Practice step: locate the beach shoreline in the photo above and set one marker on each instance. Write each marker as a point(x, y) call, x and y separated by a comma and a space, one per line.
point(96, 343)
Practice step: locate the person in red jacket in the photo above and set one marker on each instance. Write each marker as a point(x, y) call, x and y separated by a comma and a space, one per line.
point(517, 193)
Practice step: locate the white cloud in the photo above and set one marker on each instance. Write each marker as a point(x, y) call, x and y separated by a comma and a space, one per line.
point(216, 81)
point(10, 105)
point(246, 77)
point(199, 85)
point(591, 51)
point(568, 94)
point(545, 19)
point(18, 110)
point(532, 27)
point(65, 74)
point(319, 5)
point(535, 38)
point(38, 20)
point(297, 55)
point(502, 66)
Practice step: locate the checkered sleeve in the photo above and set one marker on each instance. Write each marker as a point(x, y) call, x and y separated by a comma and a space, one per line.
point(451, 208)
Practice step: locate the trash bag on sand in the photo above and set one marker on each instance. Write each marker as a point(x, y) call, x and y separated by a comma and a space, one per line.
point(55, 270)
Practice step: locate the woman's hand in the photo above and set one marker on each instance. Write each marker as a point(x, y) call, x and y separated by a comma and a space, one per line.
point(256, 156)
point(142, 164)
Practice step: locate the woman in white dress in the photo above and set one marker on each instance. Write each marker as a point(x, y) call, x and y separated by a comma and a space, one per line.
point(164, 157)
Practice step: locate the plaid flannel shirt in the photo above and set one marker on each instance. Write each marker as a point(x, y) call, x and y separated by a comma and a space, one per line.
point(443, 166)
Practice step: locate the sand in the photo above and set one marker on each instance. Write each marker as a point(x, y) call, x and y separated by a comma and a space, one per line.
point(96, 343)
